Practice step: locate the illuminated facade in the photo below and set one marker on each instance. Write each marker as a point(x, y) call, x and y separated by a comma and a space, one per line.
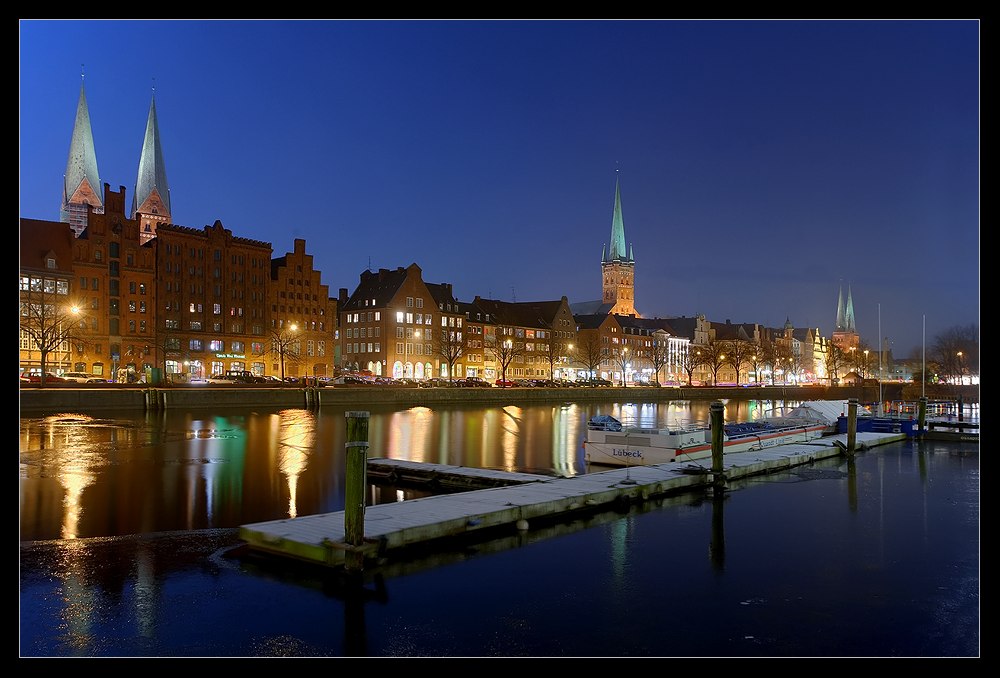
point(302, 310)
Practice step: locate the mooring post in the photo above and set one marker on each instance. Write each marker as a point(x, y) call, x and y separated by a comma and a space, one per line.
point(354, 492)
point(922, 414)
point(961, 416)
point(852, 425)
point(718, 479)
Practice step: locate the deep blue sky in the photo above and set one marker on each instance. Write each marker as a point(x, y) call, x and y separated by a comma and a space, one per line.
point(763, 164)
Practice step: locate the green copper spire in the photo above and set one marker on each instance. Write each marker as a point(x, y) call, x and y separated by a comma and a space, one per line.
point(152, 170)
point(617, 252)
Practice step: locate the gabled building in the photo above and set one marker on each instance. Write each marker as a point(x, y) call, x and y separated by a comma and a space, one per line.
point(303, 318)
point(390, 323)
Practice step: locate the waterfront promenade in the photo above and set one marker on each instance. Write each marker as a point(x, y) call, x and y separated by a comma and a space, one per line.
point(133, 398)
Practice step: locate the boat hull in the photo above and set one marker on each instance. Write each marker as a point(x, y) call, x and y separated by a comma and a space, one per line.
point(599, 451)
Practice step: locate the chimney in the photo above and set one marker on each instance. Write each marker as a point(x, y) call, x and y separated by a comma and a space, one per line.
point(342, 297)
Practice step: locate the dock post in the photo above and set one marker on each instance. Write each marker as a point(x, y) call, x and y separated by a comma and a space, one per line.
point(354, 492)
point(852, 425)
point(718, 479)
point(922, 415)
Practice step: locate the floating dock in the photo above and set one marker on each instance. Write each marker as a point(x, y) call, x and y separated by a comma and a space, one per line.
point(518, 500)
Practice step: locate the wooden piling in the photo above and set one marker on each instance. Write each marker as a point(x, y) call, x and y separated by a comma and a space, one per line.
point(354, 492)
point(716, 409)
point(852, 425)
point(922, 415)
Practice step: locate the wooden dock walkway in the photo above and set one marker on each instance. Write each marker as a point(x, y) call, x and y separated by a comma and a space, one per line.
point(392, 527)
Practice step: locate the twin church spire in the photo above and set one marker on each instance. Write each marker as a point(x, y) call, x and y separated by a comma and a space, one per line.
point(82, 188)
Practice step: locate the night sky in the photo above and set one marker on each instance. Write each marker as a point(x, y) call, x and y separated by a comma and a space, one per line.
point(763, 164)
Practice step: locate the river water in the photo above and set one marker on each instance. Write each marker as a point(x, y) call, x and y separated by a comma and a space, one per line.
point(128, 529)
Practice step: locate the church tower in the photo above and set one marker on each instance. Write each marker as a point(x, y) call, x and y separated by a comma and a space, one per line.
point(151, 198)
point(82, 182)
point(845, 335)
point(618, 266)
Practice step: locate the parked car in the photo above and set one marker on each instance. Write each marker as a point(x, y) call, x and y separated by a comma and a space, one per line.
point(504, 383)
point(473, 382)
point(84, 378)
point(220, 379)
point(435, 382)
point(36, 378)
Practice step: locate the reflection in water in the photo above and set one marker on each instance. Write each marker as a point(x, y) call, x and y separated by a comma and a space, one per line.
point(296, 433)
point(181, 470)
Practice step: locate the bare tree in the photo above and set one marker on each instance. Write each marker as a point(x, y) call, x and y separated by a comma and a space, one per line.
point(689, 361)
point(285, 345)
point(588, 352)
point(554, 353)
point(738, 353)
point(449, 346)
point(659, 354)
point(756, 361)
point(622, 358)
point(956, 350)
point(713, 356)
point(836, 361)
point(50, 323)
point(504, 347)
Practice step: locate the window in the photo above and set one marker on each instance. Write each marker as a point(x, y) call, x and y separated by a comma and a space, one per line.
point(142, 307)
point(195, 325)
point(236, 346)
point(409, 302)
point(50, 263)
point(194, 345)
point(420, 303)
point(142, 325)
point(215, 345)
point(131, 307)
point(409, 318)
point(378, 315)
point(399, 316)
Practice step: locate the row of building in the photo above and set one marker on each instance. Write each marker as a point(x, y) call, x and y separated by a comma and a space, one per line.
point(116, 289)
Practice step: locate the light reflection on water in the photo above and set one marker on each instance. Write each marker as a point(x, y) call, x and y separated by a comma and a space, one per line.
point(82, 476)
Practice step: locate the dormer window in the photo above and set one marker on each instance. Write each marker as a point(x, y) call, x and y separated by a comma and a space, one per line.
point(50, 263)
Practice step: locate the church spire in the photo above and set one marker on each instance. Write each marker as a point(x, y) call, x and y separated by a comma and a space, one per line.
point(618, 266)
point(617, 251)
point(849, 313)
point(151, 198)
point(840, 310)
point(82, 182)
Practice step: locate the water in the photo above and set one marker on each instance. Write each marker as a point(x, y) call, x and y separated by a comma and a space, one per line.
point(875, 558)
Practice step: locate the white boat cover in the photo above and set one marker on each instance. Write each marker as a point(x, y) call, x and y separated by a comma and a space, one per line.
point(826, 411)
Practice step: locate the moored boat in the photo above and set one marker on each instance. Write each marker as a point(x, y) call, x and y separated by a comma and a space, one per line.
point(609, 443)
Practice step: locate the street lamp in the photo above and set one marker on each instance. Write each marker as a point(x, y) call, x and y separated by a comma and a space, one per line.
point(864, 371)
point(960, 370)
